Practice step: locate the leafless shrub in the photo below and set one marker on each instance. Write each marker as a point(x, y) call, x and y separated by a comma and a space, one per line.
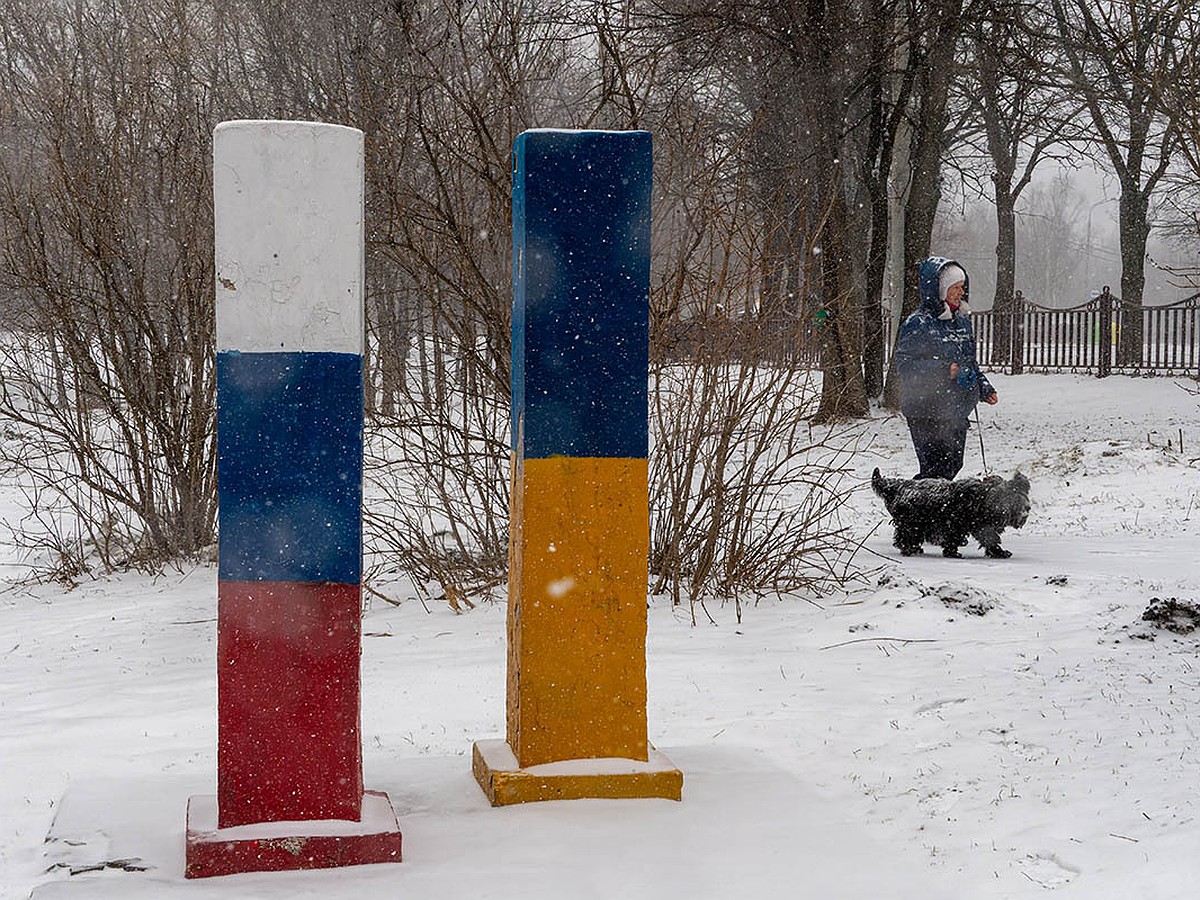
point(437, 484)
point(743, 496)
point(106, 368)
point(744, 493)
point(475, 76)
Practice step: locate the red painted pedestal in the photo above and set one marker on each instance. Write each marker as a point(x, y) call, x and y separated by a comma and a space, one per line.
point(289, 781)
point(284, 846)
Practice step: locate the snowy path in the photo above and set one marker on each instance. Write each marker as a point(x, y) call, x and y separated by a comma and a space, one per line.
point(1045, 732)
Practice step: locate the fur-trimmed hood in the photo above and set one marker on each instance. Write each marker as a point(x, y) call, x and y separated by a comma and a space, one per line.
point(927, 286)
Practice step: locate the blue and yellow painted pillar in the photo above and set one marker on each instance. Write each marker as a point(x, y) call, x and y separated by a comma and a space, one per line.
point(579, 526)
point(288, 206)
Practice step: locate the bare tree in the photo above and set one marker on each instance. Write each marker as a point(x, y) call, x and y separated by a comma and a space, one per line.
point(888, 77)
point(475, 75)
point(106, 271)
point(935, 27)
point(1050, 236)
point(1176, 88)
point(744, 490)
point(1025, 117)
point(1112, 50)
point(1176, 84)
point(823, 84)
point(788, 123)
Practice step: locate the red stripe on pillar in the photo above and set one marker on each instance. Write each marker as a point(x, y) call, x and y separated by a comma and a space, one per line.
point(288, 702)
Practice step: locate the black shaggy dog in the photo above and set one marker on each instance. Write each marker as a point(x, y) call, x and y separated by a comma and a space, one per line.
point(943, 512)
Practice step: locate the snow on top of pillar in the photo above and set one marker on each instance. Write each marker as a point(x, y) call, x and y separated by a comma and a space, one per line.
point(582, 131)
point(288, 210)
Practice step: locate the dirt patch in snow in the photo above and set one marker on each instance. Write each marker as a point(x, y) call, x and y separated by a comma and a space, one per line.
point(1172, 614)
point(962, 598)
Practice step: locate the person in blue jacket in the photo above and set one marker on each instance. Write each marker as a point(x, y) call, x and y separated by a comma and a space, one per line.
point(940, 380)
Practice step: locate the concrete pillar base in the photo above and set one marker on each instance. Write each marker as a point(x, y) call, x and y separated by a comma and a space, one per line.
point(286, 846)
point(505, 782)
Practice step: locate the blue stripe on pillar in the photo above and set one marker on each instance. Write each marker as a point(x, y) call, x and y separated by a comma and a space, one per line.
point(289, 451)
point(581, 252)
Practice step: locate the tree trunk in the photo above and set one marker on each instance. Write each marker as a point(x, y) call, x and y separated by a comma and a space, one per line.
point(843, 395)
point(926, 192)
point(1006, 257)
point(873, 334)
point(919, 214)
point(1134, 233)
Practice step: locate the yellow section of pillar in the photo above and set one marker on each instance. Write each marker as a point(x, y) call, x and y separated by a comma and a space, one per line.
point(579, 540)
point(578, 546)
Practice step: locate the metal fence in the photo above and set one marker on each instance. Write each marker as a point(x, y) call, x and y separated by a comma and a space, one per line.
point(1084, 338)
point(1087, 338)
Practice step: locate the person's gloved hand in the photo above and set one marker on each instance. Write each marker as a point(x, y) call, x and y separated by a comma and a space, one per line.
point(965, 377)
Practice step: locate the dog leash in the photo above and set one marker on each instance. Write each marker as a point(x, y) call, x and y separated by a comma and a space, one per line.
point(982, 453)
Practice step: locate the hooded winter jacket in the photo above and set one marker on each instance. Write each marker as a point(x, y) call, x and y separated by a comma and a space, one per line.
point(929, 341)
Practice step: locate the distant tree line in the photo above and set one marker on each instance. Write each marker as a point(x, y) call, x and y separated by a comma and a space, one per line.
point(802, 151)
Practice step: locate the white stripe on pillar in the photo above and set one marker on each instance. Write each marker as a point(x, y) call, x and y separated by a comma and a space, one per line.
point(288, 202)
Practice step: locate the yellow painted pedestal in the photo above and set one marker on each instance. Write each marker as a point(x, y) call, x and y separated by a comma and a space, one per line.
point(579, 527)
point(505, 783)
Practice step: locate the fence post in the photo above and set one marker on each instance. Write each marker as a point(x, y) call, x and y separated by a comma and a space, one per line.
point(1104, 338)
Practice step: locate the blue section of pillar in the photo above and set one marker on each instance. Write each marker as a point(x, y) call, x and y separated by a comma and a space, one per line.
point(581, 263)
point(289, 466)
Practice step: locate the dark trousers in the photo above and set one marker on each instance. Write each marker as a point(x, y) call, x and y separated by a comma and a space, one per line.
point(939, 445)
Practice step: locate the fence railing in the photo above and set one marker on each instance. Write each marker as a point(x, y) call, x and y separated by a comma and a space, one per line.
point(1087, 338)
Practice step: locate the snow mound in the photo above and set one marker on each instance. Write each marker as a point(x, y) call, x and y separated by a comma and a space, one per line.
point(964, 598)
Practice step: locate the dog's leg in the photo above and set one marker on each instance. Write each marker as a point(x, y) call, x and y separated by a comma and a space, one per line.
point(989, 540)
point(908, 541)
point(950, 546)
point(949, 536)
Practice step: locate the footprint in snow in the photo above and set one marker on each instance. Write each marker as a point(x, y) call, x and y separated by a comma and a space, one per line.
point(938, 705)
point(1047, 870)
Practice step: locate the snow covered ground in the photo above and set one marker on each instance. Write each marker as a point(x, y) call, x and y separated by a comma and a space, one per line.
point(947, 728)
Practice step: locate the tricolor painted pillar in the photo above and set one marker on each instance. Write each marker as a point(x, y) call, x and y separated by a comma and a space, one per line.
point(288, 208)
point(579, 528)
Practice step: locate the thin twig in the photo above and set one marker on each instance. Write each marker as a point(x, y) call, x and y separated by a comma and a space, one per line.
point(386, 599)
point(880, 555)
point(860, 546)
point(875, 639)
